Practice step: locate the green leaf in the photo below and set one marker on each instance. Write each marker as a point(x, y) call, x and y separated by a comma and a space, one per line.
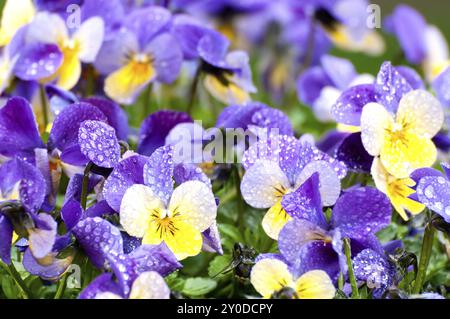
point(9, 288)
point(218, 264)
point(196, 287)
point(175, 282)
point(231, 232)
point(391, 232)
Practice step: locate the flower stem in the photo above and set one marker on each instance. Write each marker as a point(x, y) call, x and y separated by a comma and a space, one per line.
point(425, 254)
point(351, 273)
point(240, 203)
point(85, 185)
point(311, 41)
point(193, 90)
point(147, 100)
point(26, 293)
point(61, 287)
point(44, 105)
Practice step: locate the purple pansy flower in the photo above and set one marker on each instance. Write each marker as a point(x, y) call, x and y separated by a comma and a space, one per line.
point(375, 270)
point(422, 44)
point(227, 75)
point(23, 183)
point(19, 136)
point(433, 189)
point(409, 27)
point(156, 127)
point(148, 285)
point(140, 52)
point(441, 86)
point(309, 241)
point(279, 165)
point(395, 90)
point(51, 267)
point(87, 131)
point(103, 244)
point(158, 173)
point(28, 61)
point(391, 84)
point(320, 86)
point(254, 114)
point(344, 22)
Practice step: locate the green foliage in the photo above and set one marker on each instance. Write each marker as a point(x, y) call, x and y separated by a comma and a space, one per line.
point(197, 287)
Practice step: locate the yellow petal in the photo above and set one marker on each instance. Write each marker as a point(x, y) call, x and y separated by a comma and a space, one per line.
point(391, 186)
point(69, 72)
point(315, 284)
point(138, 207)
point(398, 192)
point(13, 194)
point(371, 43)
point(269, 276)
point(279, 75)
point(5, 73)
point(420, 112)
point(225, 91)
point(274, 220)
point(125, 84)
point(375, 120)
point(15, 237)
point(437, 58)
point(183, 241)
point(16, 13)
point(403, 153)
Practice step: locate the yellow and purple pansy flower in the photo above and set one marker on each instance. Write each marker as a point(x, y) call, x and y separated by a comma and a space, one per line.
point(141, 51)
point(278, 166)
point(78, 45)
point(227, 75)
point(150, 208)
point(271, 277)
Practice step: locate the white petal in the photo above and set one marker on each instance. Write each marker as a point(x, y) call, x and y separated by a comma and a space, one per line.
point(90, 38)
point(437, 52)
point(379, 175)
point(422, 111)
point(107, 295)
point(374, 120)
point(260, 183)
point(136, 208)
point(16, 13)
point(149, 285)
point(47, 28)
point(329, 182)
point(196, 204)
point(364, 78)
point(322, 106)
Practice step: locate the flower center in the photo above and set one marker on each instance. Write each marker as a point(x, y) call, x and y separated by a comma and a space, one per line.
point(398, 133)
point(165, 222)
point(280, 191)
point(70, 48)
point(141, 58)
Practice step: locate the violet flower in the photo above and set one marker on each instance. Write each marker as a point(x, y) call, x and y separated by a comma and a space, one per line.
point(309, 241)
